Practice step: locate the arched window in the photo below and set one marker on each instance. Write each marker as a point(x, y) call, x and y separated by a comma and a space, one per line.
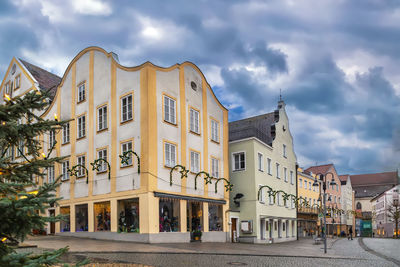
point(358, 206)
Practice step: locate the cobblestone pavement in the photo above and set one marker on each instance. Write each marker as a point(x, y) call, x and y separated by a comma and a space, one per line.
point(341, 252)
point(385, 246)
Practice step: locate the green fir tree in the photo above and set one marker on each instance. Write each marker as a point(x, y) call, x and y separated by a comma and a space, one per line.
point(21, 212)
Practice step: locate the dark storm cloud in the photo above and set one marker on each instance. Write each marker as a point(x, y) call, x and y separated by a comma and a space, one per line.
point(344, 108)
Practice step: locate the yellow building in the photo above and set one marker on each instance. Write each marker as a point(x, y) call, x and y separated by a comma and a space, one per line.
point(167, 116)
point(307, 215)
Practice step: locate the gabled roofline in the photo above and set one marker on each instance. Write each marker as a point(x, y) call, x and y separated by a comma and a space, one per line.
point(134, 68)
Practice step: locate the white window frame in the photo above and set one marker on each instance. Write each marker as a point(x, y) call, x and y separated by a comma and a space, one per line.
point(291, 177)
point(214, 130)
point(52, 138)
point(64, 170)
point(260, 158)
point(50, 174)
point(65, 131)
point(277, 170)
point(20, 148)
point(102, 154)
point(102, 114)
point(81, 92)
point(309, 186)
point(215, 167)
point(194, 117)
point(240, 161)
point(262, 194)
point(81, 126)
point(300, 182)
point(285, 174)
point(194, 161)
point(169, 109)
point(269, 166)
point(126, 146)
point(170, 154)
point(271, 198)
point(278, 197)
point(82, 161)
point(127, 108)
point(18, 81)
point(284, 151)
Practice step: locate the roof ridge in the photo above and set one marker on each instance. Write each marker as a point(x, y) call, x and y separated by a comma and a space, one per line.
point(372, 173)
point(26, 62)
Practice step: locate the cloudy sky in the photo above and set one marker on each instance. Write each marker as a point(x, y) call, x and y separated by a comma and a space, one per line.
point(336, 61)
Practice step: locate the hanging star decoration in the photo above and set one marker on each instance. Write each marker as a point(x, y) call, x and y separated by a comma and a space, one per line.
point(184, 173)
point(127, 156)
point(208, 179)
point(228, 187)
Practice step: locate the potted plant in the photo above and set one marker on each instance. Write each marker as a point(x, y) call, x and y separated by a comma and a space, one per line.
point(197, 235)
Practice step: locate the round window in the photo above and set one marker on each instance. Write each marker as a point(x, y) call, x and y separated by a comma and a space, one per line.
point(194, 85)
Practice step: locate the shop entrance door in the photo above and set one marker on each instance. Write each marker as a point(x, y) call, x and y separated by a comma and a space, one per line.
point(262, 228)
point(234, 229)
point(52, 224)
point(195, 220)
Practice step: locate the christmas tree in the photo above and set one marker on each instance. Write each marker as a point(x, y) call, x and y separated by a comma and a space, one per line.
point(21, 212)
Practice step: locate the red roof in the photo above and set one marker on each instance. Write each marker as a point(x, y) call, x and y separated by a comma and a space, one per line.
point(381, 178)
point(320, 169)
point(344, 177)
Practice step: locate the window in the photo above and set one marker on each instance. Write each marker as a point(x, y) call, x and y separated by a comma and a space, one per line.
point(81, 126)
point(305, 184)
point(126, 108)
point(102, 117)
point(278, 198)
point(20, 150)
point(81, 161)
point(65, 173)
point(215, 217)
point(337, 187)
point(194, 121)
point(50, 174)
point(239, 161)
point(269, 166)
point(292, 203)
point(102, 154)
point(285, 174)
point(309, 186)
point(126, 147)
point(170, 154)
point(81, 92)
point(52, 138)
point(169, 110)
point(262, 194)
point(286, 203)
point(214, 167)
point(277, 170)
point(260, 162)
point(7, 88)
point(335, 199)
point(194, 161)
point(18, 81)
point(271, 199)
point(291, 177)
point(284, 151)
point(214, 130)
point(300, 182)
point(66, 133)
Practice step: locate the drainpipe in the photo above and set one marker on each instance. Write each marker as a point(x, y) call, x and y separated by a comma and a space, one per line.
point(297, 222)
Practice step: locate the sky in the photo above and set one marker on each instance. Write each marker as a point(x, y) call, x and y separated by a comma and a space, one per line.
point(336, 61)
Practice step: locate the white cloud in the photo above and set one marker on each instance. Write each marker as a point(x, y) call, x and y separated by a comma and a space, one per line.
point(92, 7)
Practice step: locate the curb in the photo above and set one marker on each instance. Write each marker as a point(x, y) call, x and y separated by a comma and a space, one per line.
point(362, 244)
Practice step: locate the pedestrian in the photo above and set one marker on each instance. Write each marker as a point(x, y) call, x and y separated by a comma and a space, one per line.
point(350, 234)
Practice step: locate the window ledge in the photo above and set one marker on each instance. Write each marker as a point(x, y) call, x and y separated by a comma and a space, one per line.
point(101, 172)
point(126, 166)
point(82, 101)
point(102, 130)
point(170, 123)
point(80, 138)
point(125, 122)
point(192, 132)
point(216, 142)
point(66, 143)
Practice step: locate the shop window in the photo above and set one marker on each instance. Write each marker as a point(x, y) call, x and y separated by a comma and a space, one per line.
point(81, 218)
point(65, 223)
point(128, 220)
point(102, 217)
point(215, 222)
point(169, 212)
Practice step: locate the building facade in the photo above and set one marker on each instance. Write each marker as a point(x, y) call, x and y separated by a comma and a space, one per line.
point(347, 203)
point(261, 154)
point(333, 197)
point(307, 215)
point(366, 187)
point(167, 116)
point(384, 207)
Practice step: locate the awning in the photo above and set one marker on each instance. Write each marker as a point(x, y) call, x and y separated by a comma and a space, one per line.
point(198, 199)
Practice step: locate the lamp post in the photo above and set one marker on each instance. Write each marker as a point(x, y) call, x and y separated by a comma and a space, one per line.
point(324, 182)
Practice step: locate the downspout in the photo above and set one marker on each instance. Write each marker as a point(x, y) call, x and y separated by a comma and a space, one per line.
point(297, 222)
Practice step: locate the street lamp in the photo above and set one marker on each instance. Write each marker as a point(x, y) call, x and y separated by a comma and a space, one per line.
point(324, 182)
